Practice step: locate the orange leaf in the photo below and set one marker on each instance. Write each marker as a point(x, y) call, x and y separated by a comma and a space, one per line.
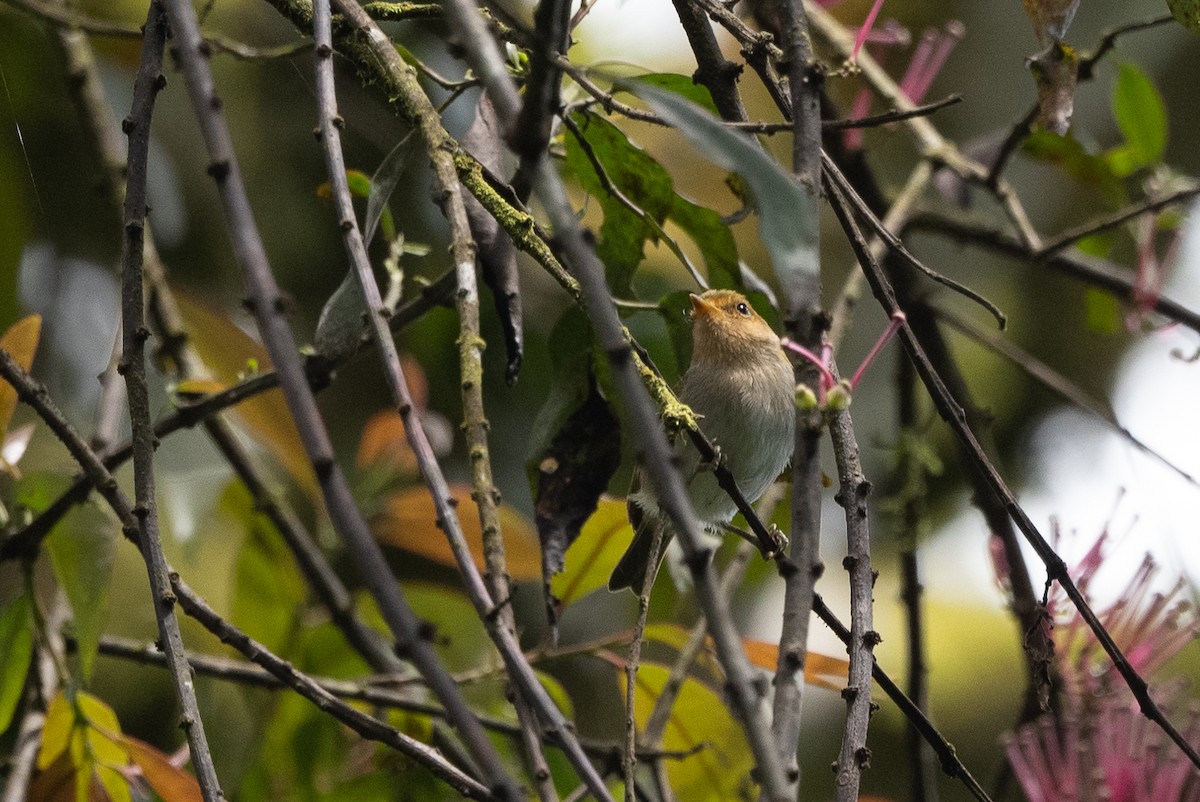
point(819, 669)
point(408, 522)
point(21, 342)
point(226, 351)
point(383, 442)
point(171, 783)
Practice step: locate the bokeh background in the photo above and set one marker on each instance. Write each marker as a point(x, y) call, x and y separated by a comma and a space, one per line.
point(59, 248)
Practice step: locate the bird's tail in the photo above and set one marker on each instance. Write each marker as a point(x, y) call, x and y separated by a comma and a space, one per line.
point(639, 564)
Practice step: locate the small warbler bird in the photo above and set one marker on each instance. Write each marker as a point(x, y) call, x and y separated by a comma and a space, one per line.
point(742, 386)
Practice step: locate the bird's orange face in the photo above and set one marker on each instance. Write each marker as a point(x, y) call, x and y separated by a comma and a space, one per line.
point(725, 328)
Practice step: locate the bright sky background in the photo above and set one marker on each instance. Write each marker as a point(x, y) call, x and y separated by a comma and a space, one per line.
point(1081, 467)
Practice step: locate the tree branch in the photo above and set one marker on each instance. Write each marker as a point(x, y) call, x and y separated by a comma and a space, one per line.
point(146, 86)
point(269, 307)
point(954, 415)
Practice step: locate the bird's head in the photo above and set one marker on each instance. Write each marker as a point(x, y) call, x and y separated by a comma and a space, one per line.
point(726, 329)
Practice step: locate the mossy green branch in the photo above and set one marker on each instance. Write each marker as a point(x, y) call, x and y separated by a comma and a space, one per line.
point(392, 12)
point(400, 83)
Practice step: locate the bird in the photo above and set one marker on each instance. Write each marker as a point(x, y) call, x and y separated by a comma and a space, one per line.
point(742, 386)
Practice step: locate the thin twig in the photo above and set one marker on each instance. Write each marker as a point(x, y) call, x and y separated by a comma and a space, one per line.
point(1095, 272)
point(713, 70)
point(842, 309)
point(1024, 601)
point(954, 415)
point(1107, 222)
point(897, 247)
point(470, 342)
point(1060, 384)
point(34, 394)
point(629, 758)
point(531, 130)
point(441, 151)
point(25, 543)
point(62, 16)
point(852, 496)
point(933, 144)
point(664, 477)
point(148, 83)
point(366, 726)
point(1108, 41)
point(668, 489)
point(1085, 70)
point(611, 188)
point(253, 674)
point(913, 515)
point(805, 325)
point(269, 307)
point(951, 765)
point(174, 350)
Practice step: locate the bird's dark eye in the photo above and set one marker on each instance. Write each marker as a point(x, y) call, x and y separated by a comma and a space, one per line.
point(743, 310)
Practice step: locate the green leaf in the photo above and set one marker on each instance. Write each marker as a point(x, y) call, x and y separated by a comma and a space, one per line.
point(16, 633)
point(1186, 13)
point(1142, 117)
point(674, 308)
point(1103, 311)
point(1099, 245)
point(382, 184)
point(682, 85)
point(713, 238)
point(720, 769)
point(268, 591)
point(82, 547)
point(643, 181)
point(787, 215)
point(1072, 158)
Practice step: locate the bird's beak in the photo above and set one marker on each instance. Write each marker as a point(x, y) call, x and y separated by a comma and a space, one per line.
point(700, 307)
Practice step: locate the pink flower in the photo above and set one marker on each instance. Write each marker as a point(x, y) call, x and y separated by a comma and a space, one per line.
point(1100, 746)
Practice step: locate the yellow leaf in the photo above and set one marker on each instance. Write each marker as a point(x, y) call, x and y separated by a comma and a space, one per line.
point(226, 351)
point(21, 342)
point(56, 732)
point(171, 783)
point(104, 748)
point(592, 557)
point(720, 767)
point(112, 782)
point(97, 713)
point(196, 388)
point(408, 521)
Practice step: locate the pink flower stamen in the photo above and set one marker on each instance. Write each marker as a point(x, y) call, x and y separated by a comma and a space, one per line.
point(928, 59)
point(898, 320)
point(865, 30)
point(827, 380)
point(890, 34)
point(1151, 272)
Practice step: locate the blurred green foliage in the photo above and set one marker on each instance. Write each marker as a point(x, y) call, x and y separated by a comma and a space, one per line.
point(276, 746)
